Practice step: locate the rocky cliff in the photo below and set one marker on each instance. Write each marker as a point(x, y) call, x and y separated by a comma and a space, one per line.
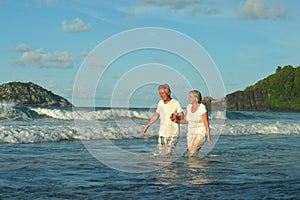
point(277, 92)
point(30, 94)
point(253, 100)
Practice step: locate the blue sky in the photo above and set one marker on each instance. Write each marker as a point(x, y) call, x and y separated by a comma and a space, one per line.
point(46, 41)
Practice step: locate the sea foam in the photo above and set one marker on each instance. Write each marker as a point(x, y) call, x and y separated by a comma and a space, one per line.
point(19, 124)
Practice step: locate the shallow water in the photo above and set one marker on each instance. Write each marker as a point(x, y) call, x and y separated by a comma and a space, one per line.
point(239, 167)
point(45, 156)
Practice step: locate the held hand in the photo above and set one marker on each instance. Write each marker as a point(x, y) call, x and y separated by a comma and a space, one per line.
point(210, 142)
point(173, 118)
point(144, 130)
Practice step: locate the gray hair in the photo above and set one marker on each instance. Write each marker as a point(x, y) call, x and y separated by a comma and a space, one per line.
point(196, 94)
point(165, 86)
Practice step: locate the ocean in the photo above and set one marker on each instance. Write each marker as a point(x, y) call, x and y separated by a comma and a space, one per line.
point(46, 153)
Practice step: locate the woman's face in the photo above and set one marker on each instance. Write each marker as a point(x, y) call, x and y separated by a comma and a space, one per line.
point(192, 99)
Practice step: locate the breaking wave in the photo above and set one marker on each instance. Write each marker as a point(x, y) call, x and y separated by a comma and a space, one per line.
point(57, 132)
point(9, 111)
point(34, 125)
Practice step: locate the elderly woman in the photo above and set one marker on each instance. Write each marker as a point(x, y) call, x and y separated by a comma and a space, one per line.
point(198, 125)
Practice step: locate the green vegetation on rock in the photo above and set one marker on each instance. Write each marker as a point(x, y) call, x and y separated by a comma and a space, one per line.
point(283, 88)
point(30, 94)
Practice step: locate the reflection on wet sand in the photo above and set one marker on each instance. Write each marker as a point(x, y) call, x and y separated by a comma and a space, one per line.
point(197, 171)
point(193, 170)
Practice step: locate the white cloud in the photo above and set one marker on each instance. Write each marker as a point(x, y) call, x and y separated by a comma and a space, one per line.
point(176, 4)
point(21, 48)
point(84, 53)
point(257, 9)
point(95, 15)
point(76, 26)
point(40, 58)
point(183, 7)
point(52, 84)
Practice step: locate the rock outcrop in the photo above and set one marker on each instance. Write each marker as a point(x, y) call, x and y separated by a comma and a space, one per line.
point(253, 100)
point(30, 94)
point(277, 92)
point(214, 104)
point(240, 101)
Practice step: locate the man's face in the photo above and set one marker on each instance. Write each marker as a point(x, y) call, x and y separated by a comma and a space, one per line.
point(164, 95)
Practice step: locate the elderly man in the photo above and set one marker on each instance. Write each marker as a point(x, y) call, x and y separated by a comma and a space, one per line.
point(168, 131)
